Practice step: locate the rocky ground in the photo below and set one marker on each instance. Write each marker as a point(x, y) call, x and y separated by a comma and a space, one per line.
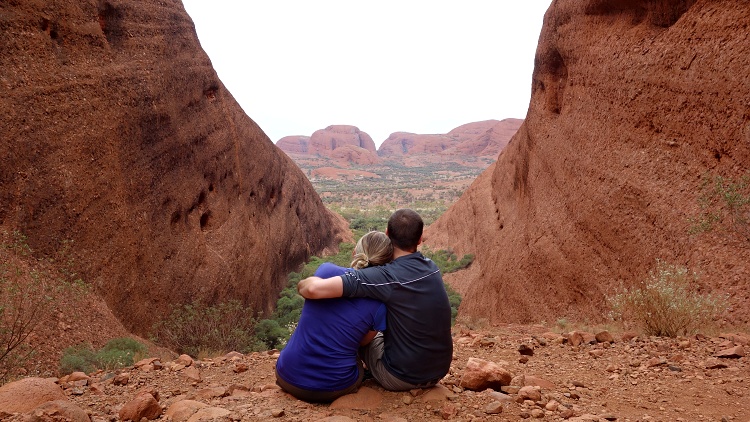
point(552, 377)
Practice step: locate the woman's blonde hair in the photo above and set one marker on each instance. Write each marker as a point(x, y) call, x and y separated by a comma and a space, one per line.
point(374, 248)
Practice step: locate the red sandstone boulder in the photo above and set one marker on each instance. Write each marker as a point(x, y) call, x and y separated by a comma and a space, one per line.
point(58, 410)
point(480, 374)
point(144, 405)
point(735, 352)
point(26, 394)
point(183, 410)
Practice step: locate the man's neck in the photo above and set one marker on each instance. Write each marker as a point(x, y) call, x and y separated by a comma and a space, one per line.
point(398, 253)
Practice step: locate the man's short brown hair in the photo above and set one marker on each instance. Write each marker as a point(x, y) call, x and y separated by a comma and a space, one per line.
point(405, 229)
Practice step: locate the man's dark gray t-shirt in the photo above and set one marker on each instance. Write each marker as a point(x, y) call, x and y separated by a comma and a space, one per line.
point(418, 343)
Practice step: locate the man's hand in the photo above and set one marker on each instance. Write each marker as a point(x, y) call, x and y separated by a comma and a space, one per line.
point(321, 288)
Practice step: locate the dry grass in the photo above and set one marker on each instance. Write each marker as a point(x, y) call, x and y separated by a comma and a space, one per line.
point(667, 304)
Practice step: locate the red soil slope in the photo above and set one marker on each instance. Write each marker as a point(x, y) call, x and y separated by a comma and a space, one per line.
point(633, 102)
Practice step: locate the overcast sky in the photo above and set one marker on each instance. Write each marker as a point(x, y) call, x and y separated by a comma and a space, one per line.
point(296, 66)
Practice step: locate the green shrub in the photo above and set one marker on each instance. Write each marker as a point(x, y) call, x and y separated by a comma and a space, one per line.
point(455, 300)
point(197, 328)
point(271, 334)
point(78, 358)
point(667, 303)
point(117, 353)
point(725, 204)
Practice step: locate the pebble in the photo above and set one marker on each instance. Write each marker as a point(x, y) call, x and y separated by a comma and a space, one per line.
point(494, 408)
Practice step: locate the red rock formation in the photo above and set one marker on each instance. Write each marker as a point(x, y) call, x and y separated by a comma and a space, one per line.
point(472, 130)
point(118, 135)
point(26, 394)
point(403, 143)
point(488, 142)
point(632, 104)
point(294, 144)
point(350, 154)
point(478, 139)
point(324, 141)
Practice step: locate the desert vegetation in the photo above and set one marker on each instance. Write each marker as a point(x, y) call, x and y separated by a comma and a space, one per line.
point(31, 291)
point(724, 206)
point(667, 303)
point(429, 189)
point(117, 353)
point(201, 329)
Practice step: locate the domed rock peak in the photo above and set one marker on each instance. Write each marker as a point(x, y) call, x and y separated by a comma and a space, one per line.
point(324, 141)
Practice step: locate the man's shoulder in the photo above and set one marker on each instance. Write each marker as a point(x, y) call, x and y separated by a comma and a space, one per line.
point(416, 262)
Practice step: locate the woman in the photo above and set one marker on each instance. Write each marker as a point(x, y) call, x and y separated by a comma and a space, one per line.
point(320, 363)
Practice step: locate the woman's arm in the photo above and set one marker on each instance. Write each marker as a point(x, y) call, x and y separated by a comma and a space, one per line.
point(321, 288)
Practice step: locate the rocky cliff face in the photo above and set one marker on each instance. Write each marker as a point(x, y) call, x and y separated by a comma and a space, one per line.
point(117, 134)
point(632, 104)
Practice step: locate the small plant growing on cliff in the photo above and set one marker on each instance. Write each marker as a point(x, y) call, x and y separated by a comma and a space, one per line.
point(667, 303)
point(725, 204)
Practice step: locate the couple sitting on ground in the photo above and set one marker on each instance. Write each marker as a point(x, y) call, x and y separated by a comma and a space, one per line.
point(390, 310)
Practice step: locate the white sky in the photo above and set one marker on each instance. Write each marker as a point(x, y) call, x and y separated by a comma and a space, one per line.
point(296, 66)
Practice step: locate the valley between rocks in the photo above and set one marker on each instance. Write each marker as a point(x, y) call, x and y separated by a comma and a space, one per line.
point(631, 379)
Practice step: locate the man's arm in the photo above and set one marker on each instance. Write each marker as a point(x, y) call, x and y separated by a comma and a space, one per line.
point(368, 338)
point(321, 288)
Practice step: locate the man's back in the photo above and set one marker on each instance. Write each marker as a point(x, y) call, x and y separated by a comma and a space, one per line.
point(418, 343)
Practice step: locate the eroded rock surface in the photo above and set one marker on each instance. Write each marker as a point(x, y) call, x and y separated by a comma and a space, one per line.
point(632, 104)
point(118, 135)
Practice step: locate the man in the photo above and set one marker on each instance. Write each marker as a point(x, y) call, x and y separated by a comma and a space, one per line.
point(416, 349)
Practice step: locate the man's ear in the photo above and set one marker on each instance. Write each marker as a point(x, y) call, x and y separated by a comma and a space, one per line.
point(421, 239)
